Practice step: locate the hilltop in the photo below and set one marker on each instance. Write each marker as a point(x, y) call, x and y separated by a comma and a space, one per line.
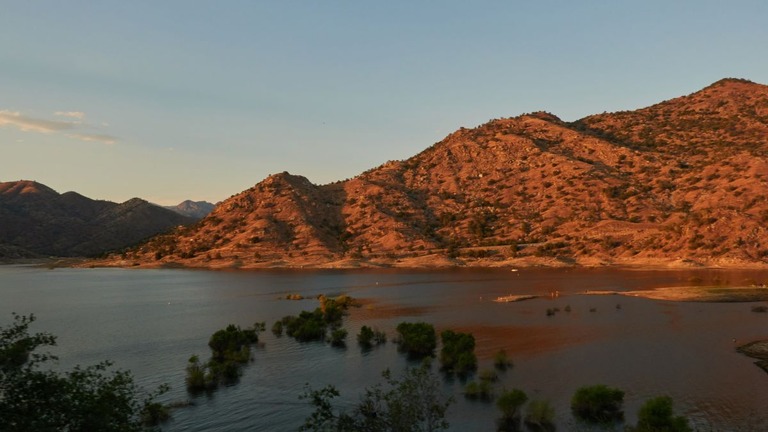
point(193, 209)
point(682, 182)
point(36, 221)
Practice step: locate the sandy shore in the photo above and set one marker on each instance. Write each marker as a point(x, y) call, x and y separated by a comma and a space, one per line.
point(696, 294)
point(513, 298)
point(428, 261)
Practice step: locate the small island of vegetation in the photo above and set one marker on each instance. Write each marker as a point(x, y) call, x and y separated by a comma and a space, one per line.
point(230, 349)
point(416, 339)
point(314, 325)
point(458, 352)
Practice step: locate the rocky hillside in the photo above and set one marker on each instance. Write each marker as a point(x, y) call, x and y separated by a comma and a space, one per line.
point(37, 221)
point(193, 209)
point(681, 181)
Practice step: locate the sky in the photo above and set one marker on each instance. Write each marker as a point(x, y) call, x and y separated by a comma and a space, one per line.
point(183, 99)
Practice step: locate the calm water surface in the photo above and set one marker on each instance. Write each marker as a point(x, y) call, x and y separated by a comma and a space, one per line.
point(152, 321)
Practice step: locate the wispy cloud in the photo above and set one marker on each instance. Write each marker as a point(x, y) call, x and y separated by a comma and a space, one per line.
point(70, 128)
point(29, 124)
point(71, 114)
point(102, 138)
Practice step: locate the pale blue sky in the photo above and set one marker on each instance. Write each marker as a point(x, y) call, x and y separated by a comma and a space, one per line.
point(173, 100)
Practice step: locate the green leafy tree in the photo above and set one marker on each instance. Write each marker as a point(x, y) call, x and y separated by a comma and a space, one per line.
point(598, 404)
point(95, 398)
point(324, 417)
point(412, 403)
point(657, 415)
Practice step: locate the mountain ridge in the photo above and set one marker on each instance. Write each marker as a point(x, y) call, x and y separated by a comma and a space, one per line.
point(682, 181)
point(36, 221)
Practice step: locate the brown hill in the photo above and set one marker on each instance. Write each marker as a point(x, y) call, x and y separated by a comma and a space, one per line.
point(681, 181)
point(35, 221)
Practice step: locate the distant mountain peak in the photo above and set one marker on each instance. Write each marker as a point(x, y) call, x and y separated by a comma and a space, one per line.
point(24, 187)
point(193, 209)
point(135, 201)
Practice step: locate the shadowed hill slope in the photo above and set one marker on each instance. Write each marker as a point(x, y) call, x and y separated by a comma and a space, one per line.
point(35, 220)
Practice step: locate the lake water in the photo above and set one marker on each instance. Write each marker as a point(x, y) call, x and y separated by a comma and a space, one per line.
point(152, 321)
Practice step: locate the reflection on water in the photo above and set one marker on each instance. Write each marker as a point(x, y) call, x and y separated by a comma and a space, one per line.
point(151, 321)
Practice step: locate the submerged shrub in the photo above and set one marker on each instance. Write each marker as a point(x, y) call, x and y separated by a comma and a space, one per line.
point(458, 352)
point(230, 348)
point(598, 404)
point(379, 337)
point(196, 378)
point(307, 326)
point(365, 337)
point(417, 339)
point(656, 414)
point(489, 375)
point(540, 415)
point(338, 337)
point(510, 402)
point(482, 390)
point(312, 326)
point(501, 360)
point(369, 337)
point(232, 343)
point(277, 328)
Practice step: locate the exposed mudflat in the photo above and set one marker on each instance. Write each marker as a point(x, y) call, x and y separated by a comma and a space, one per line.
point(757, 350)
point(696, 294)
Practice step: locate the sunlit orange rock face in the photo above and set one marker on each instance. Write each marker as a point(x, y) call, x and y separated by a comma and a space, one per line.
point(682, 182)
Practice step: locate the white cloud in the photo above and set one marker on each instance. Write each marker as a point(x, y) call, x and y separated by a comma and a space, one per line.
point(102, 138)
point(71, 114)
point(29, 124)
point(69, 128)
